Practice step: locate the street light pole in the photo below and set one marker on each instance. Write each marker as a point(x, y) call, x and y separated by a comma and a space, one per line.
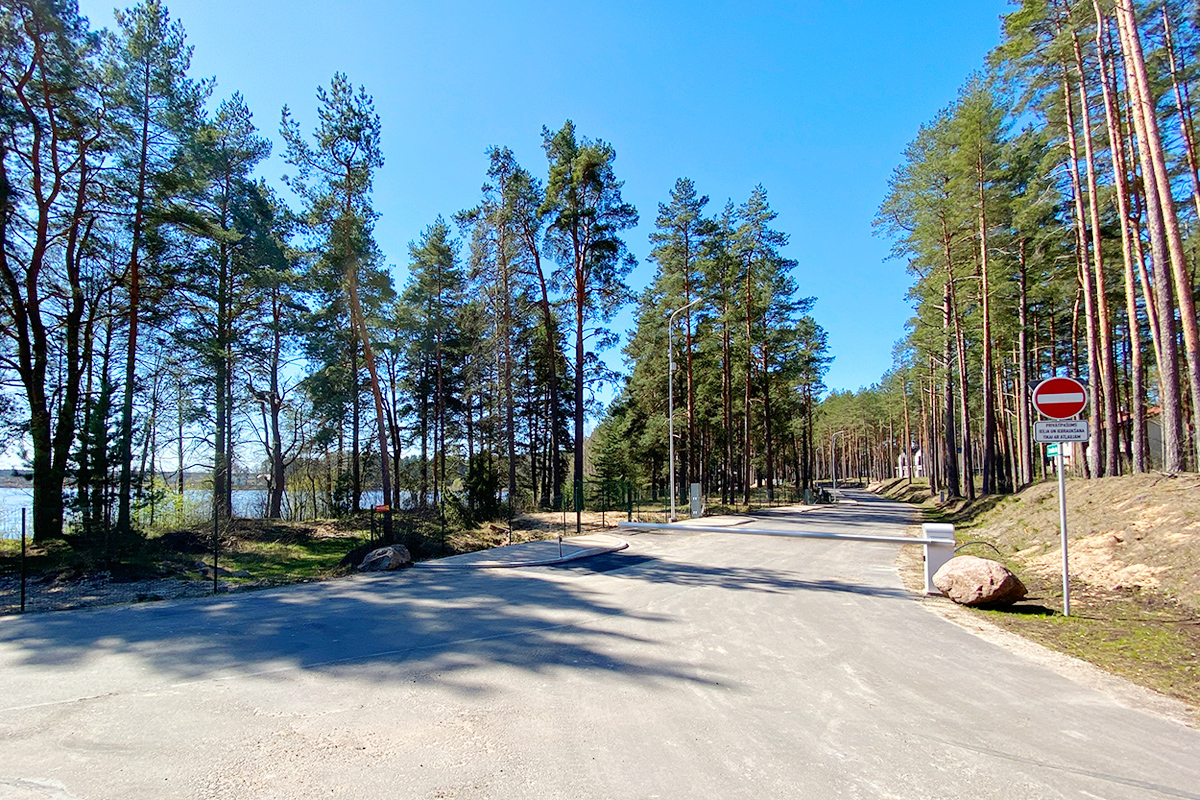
point(833, 457)
point(671, 401)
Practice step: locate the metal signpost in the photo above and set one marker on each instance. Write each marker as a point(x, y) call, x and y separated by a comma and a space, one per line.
point(1061, 399)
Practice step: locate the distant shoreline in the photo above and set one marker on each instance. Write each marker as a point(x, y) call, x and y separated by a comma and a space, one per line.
point(24, 480)
point(21, 480)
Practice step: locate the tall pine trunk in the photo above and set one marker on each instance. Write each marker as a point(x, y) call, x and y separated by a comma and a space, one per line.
point(1137, 391)
point(1150, 143)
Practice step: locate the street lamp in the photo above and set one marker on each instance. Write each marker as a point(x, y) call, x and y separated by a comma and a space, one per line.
point(833, 457)
point(671, 400)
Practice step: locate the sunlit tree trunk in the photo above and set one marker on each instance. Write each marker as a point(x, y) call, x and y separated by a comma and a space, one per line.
point(1158, 219)
point(1151, 147)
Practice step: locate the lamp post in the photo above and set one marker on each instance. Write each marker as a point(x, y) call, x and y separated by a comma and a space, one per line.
point(671, 401)
point(833, 457)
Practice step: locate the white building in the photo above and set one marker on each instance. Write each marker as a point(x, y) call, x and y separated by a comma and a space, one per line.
point(918, 466)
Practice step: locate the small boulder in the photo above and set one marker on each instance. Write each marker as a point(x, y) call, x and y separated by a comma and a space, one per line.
point(386, 558)
point(973, 581)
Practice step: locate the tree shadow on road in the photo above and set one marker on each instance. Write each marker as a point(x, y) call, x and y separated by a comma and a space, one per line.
point(438, 625)
point(757, 579)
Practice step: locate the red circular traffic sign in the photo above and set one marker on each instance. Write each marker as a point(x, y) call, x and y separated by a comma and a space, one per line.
point(1060, 398)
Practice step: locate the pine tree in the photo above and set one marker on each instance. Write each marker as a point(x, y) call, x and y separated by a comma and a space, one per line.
point(432, 299)
point(679, 240)
point(335, 179)
point(221, 159)
point(583, 197)
point(54, 137)
point(158, 106)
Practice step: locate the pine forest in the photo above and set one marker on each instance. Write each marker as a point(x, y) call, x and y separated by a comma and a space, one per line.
point(1048, 220)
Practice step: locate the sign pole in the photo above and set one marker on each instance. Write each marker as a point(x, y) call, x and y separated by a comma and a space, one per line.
point(1062, 523)
point(1061, 399)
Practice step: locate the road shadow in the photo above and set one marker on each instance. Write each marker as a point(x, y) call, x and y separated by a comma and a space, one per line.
point(754, 579)
point(436, 624)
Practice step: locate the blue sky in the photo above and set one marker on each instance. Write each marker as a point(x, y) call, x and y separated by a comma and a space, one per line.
point(813, 100)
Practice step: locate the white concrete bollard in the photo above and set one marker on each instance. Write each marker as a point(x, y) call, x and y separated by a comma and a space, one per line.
point(938, 551)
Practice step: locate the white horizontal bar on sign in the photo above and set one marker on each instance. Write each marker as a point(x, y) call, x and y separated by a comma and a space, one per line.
point(1071, 397)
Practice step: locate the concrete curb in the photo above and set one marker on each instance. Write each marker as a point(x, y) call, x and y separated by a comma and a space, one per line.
point(616, 546)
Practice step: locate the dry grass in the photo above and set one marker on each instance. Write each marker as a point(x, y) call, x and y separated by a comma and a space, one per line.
point(536, 526)
point(1135, 533)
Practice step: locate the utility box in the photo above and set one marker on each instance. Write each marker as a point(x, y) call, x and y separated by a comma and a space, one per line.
point(695, 496)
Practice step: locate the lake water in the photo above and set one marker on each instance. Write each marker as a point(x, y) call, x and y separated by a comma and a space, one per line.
point(11, 503)
point(196, 506)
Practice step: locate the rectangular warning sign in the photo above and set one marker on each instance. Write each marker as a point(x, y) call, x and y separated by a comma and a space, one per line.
point(1064, 430)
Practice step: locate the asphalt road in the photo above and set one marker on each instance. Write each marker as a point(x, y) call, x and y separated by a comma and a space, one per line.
point(692, 665)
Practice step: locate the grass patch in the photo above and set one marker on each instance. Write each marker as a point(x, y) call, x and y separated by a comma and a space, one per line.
point(295, 562)
point(1143, 638)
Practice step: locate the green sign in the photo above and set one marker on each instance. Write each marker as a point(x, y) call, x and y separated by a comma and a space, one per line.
point(1052, 450)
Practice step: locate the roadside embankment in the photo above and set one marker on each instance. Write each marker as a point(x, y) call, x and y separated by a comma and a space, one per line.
point(1134, 554)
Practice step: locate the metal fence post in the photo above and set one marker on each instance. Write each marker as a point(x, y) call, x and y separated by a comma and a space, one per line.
point(216, 546)
point(23, 571)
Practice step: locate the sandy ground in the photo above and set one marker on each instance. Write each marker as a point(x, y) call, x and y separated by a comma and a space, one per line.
point(1136, 532)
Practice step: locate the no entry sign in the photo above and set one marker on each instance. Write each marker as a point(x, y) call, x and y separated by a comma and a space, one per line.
point(1060, 398)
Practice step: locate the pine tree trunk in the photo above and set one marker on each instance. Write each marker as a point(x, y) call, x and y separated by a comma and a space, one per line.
point(1146, 130)
point(968, 457)
point(989, 408)
point(950, 439)
point(423, 500)
point(908, 454)
point(1137, 392)
point(577, 476)
point(727, 406)
point(1094, 378)
point(125, 444)
point(1023, 427)
point(748, 393)
point(355, 422)
point(376, 393)
point(770, 449)
point(1103, 322)
point(1152, 149)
